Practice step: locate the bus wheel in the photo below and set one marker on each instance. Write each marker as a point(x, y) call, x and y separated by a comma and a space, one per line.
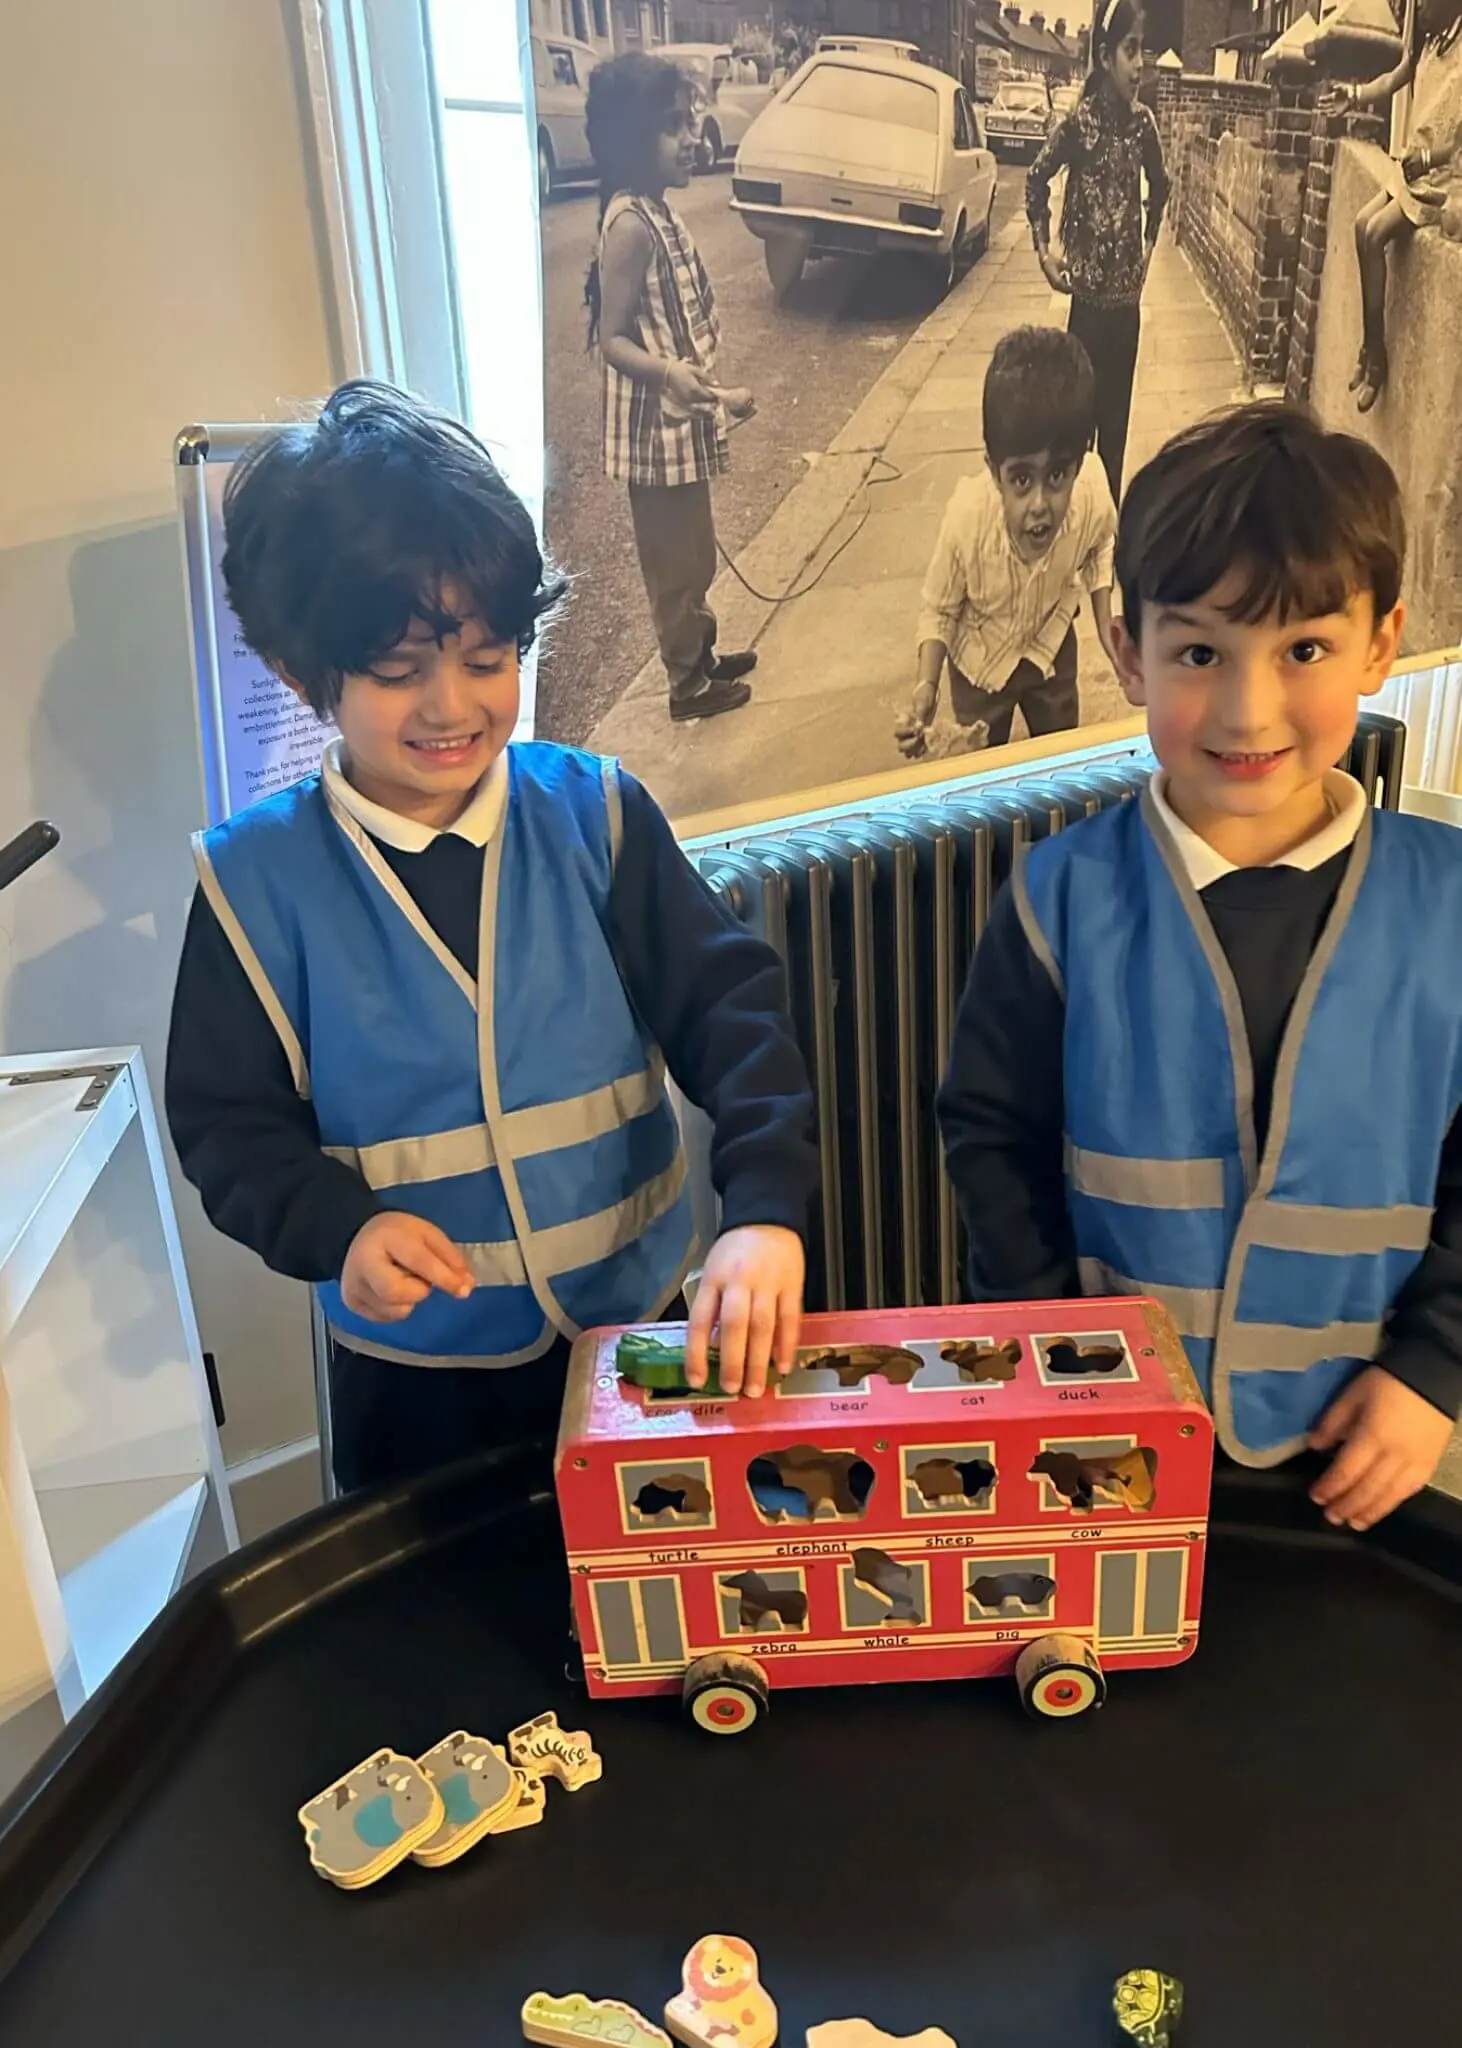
point(725, 1694)
point(1059, 1677)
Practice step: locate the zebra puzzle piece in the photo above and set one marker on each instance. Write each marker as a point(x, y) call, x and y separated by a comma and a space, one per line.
point(541, 1745)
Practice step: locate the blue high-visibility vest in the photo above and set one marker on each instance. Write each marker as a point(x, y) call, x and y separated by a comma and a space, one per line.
point(1280, 1270)
point(525, 1115)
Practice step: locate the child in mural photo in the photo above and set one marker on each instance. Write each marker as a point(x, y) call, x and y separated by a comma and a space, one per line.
point(1022, 543)
point(1211, 1045)
point(428, 997)
point(1108, 146)
point(653, 314)
point(1414, 187)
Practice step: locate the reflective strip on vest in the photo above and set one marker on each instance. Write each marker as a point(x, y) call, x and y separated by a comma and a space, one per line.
point(404, 1162)
point(1193, 1309)
point(1146, 1183)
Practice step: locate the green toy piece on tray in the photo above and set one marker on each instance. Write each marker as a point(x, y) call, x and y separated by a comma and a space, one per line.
point(648, 1361)
point(1148, 2005)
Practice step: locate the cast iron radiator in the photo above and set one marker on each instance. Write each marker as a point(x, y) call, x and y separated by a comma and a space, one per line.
point(876, 916)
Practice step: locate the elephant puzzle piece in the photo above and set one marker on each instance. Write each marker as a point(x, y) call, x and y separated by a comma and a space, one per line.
point(541, 1746)
point(721, 2003)
point(565, 2022)
point(863, 2034)
point(479, 1790)
point(371, 1819)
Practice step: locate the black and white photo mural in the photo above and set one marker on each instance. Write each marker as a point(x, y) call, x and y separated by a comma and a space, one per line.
point(859, 313)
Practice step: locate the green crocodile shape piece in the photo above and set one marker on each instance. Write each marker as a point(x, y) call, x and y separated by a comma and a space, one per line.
point(575, 2018)
point(648, 1361)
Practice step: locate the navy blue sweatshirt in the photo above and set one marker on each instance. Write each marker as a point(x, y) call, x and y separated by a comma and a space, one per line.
point(708, 993)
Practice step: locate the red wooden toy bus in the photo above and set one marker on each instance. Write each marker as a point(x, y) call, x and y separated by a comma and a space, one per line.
point(932, 1493)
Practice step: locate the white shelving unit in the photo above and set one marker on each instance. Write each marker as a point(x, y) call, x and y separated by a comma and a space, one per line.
point(112, 1484)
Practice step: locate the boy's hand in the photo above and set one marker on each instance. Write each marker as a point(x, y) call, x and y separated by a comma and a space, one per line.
point(1391, 1443)
point(395, 1262)
point(752, 1285)
point(912, 730)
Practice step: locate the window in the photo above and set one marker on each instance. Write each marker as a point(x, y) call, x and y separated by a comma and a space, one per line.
point(601, 19)
point(964, 134)
point(563, 66)
point(869, 96)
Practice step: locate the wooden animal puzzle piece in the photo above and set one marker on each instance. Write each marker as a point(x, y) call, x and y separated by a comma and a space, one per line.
point(565, 2022)
point(721, 2003)
point(837, 1481)
point(530, 1796)
point(1128, 1480)
point(1148, 2005)
point(978, 1359)
point(541, 1745)
point(1012, 1592)
point(758, 1600)
point(659, 1365)
point(897, 1583)
point(478, 1786)
point(371, 1819)
point(1069, 1355)
point(854, 1363)
point(945, 1480)
point(863, 2034)
point(671, 1494)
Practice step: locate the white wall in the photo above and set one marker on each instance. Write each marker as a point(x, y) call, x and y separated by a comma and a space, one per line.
point(160, 266)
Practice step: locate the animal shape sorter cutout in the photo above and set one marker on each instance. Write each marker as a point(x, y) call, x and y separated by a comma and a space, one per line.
point(371, 1819)
point(927, 1495)
point(721, 2002)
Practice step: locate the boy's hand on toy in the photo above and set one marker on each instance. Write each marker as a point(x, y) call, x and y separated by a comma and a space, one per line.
point(751, 1285)
point(395, 1262)
point(1390, 1440)
point(1057, 276)
point(685, 384)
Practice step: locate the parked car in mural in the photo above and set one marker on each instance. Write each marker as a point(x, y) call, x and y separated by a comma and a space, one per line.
point(861, 155)
point(1064, 99)
point(727, 101)
point(868, 46)
point(561, 69)
point(1015, 120)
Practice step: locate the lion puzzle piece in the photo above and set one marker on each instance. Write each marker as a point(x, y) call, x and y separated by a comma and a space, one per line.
point(565, 2022)
point(371, 1819)
point(863, 2034)
point(543, 1747)
point(1148, 2005)
point(721, 2003)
